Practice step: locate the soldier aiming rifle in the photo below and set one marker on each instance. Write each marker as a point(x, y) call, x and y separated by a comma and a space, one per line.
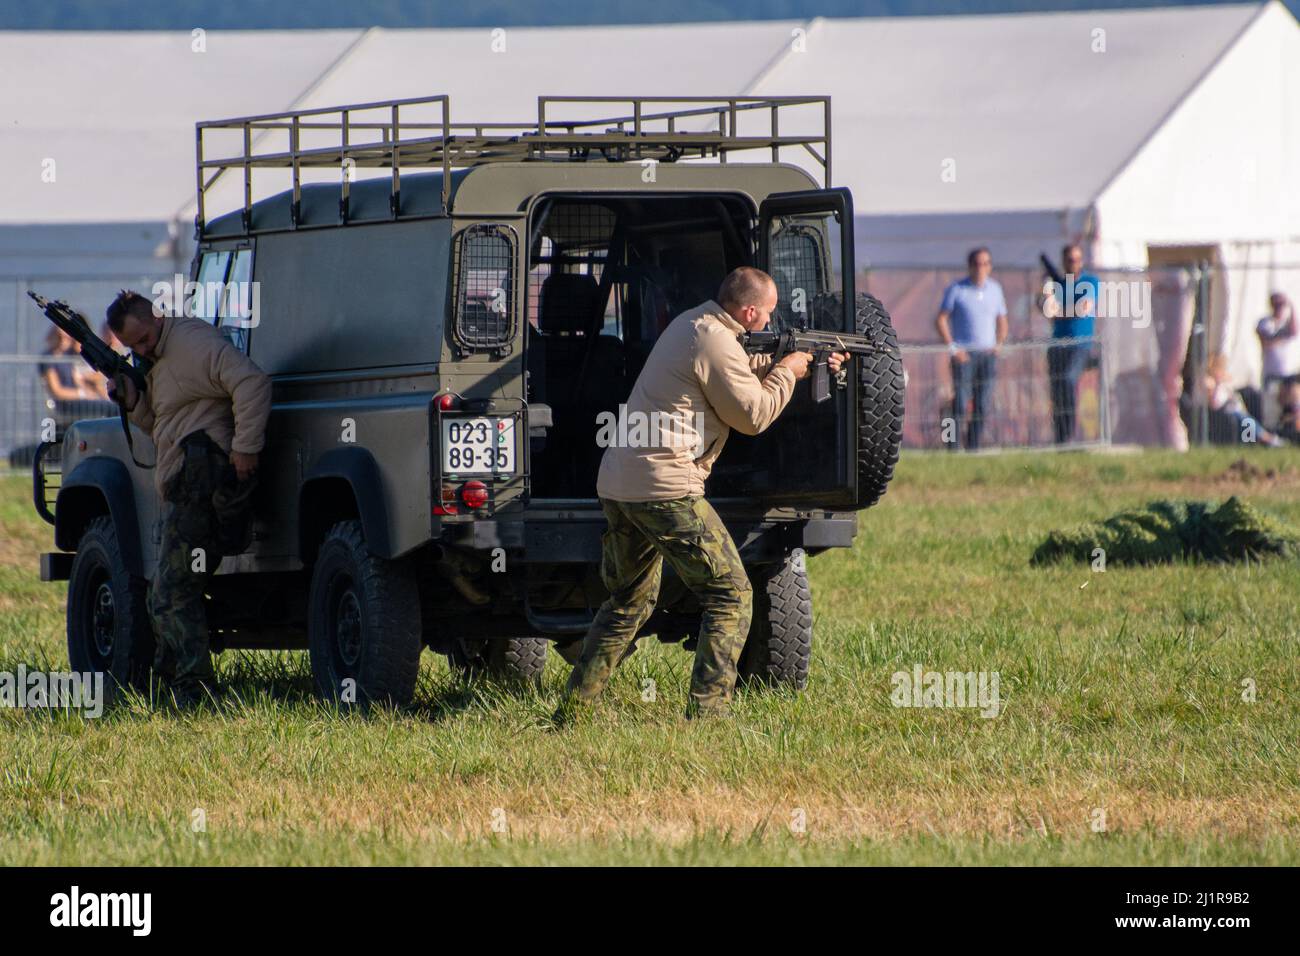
point(653, 497)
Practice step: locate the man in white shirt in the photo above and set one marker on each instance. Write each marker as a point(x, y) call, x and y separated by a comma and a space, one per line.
point(1279, 342)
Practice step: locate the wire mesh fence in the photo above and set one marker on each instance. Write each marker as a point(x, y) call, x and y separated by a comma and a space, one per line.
point(42, 396)
point(1173, 360)
point(1040, 393)
point(38, 388)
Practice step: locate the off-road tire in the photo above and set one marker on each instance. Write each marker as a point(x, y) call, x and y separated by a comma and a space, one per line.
point(880, 402)
point(107, 617)
point(880, 392)
point(778, 652)
point(363, 622)
point(518, 660)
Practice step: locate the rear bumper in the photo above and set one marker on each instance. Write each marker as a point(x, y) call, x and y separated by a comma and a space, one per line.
point(574, 537)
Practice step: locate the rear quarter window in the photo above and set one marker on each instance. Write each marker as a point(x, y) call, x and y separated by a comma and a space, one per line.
point(485, 288)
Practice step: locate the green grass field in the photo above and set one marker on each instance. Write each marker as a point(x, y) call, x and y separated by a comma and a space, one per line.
point(1122, 694)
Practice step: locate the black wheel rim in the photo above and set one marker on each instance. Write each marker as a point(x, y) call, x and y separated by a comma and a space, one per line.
point(101, 620)
point(345, 625)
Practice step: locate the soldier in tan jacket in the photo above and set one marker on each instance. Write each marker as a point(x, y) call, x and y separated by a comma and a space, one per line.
point(697, 385)
point(205, 405)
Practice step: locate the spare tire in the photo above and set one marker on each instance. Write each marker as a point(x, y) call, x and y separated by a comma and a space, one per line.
point(880, 392)
point(508, 660)
point(880, 401)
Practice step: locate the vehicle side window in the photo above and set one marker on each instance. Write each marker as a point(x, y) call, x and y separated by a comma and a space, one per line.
point(226, 295)
point(485, 286)
point(239, 301)
point(211, 281)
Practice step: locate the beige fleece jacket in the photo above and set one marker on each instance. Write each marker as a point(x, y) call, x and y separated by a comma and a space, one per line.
point(200, 380)
point(697, 385)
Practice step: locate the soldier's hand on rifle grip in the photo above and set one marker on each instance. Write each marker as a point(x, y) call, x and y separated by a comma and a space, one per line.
point(124, 388)
point(836, 359)
point(797, 362)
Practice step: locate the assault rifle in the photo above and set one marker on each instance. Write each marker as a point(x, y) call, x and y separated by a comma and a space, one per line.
point(98, 356)
point(1053, 273)
point(1081, 291)
point(820, 344)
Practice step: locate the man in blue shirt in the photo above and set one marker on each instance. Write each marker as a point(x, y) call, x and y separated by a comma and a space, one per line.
point(972, 322)
point(1067, 360)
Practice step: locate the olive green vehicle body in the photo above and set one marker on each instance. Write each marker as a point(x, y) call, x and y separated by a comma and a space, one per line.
point(356, 323)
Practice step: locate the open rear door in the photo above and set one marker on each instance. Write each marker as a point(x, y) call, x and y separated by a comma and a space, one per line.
point(808, 458)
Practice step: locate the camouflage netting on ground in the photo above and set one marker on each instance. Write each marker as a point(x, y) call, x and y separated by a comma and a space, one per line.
point(1172, 530)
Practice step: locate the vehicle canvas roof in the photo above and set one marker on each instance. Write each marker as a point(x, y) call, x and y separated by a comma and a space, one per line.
point(503, 190)
point(368, 201)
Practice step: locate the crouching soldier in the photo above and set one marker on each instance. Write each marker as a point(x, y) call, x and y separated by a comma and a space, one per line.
point(206, 406)
point(698, 379)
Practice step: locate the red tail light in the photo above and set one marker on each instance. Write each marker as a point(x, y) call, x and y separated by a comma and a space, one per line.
point(474, 494)
point(448, 401)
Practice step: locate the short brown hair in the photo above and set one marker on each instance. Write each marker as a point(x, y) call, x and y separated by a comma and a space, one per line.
point(128, 303)
point(745, 286)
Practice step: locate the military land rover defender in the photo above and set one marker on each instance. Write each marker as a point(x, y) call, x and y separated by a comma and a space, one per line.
point(441, 345)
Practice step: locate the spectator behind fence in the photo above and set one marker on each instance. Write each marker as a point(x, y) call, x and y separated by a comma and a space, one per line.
point(1288, 425)
point(1066, 362)
point(972, 322)
point(60, 378)
point(74, 390)
point(1230, 422)
point(1278, 342)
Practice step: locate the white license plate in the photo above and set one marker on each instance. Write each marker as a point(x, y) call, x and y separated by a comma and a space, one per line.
point(478, 446)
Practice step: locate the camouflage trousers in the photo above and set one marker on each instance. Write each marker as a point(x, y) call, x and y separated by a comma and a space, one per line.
point(180, 622)
point(688, 533)
point(205, 515)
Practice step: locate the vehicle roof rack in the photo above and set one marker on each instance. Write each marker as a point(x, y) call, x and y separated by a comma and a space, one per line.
point(387, 135)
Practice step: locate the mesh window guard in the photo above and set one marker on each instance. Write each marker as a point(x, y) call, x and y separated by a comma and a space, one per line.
point(574, 238)
point(485, 282)
point(795, 263)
